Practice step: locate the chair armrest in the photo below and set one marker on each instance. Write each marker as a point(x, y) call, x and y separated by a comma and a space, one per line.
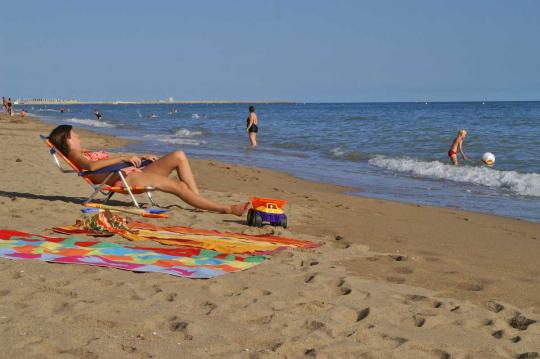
point(113, 168)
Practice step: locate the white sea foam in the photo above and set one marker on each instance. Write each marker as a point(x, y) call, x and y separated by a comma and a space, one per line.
point(195, 116)
point(47, 110)
point(172, 139)
point(89, 122)
point(182, 141)
point(184, 132)
point(338, 152)
point(526, 184)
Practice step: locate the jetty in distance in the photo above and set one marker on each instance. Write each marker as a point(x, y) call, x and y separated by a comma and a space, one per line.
point(168, 101)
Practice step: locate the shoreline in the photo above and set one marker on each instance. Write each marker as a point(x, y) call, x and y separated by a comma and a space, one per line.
point(398, 260)
point(358, 190)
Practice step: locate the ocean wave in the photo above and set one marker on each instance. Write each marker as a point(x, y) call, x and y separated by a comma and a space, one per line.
point(46, 110)
point(195, 116)
point(184, 132)
point(340, 153)
point(525, 184)
point(176, 140)
point(91, 123)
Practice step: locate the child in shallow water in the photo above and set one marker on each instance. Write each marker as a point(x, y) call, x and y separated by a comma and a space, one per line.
point(457, 145)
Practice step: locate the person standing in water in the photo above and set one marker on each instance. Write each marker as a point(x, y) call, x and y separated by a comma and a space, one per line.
point(252, 127)
point(98, 114)
point(457, 145)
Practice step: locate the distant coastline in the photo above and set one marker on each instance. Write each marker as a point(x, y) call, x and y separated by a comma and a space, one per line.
point(152, 102)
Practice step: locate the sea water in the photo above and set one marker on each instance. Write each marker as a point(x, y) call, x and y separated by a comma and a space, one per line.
point(395, 151)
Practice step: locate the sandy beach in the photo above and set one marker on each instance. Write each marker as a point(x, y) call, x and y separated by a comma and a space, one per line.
point(390, 280)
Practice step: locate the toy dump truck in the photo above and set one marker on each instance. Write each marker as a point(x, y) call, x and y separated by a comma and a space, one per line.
point(267, 210)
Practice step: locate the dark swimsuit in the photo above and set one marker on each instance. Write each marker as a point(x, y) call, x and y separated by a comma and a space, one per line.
point(253, 127)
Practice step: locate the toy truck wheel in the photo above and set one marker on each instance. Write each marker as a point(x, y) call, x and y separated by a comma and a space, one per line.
point(250, 217)
point(257, 220)
point(283, 222)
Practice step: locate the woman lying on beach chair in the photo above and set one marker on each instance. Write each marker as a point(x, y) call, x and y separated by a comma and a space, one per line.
point(156, 174)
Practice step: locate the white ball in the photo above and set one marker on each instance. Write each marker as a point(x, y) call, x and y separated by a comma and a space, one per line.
point(488, 158)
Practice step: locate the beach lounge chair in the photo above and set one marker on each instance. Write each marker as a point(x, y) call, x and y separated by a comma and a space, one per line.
point(103, 187)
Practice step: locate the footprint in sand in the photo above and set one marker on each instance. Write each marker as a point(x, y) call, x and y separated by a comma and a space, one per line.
point(498, 334)
point(209, 307)
point(442, 354)
point(487, 322)
point(395, 280)
point(528, 355)
point(415, 297)
point(515, 339)
point(437, 304)
point(362, 314)
point(396, 341)
point(310, 277)
point(419, 321)
point(128, 348)
point(176, 325)
point(494, 306)
point(343, 287)
point(520, 322)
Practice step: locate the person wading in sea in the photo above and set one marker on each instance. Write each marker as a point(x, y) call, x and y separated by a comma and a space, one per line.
point(252, 127)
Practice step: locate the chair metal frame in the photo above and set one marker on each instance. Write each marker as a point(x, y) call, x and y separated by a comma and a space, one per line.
point(103, 187)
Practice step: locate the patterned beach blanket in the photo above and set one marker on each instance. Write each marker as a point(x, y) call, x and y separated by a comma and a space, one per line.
point(183, 262)
point(226, 242)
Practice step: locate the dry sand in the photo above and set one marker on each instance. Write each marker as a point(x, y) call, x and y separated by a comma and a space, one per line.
point(392, 279)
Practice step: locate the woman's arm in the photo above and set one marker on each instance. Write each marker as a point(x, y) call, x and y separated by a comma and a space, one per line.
point(85, 164)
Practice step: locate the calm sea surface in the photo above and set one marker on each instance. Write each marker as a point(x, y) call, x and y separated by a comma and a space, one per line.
point(395, 151)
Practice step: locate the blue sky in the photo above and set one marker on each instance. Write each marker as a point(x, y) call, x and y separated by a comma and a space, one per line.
point(256, 50)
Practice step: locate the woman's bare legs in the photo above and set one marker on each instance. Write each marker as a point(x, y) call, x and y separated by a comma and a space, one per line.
point(181, 190)
point(174, 161)
point(253, 139)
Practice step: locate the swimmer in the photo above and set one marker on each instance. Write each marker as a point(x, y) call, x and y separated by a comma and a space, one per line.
point(457, 145)
point(98, 114)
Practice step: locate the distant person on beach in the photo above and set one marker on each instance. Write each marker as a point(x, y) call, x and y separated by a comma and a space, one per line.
point(61, 110)
point(252, 127)
point(4, 104)
point(156, 174)
point(457, 145)
point(23, 113)
point(9, 106)
point(98, 114)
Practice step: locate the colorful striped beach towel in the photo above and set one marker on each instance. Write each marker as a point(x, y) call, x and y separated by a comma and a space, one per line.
point(183, 262)
point(226, 242)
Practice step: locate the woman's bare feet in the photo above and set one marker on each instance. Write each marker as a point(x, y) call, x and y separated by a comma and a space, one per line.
point(239, 209)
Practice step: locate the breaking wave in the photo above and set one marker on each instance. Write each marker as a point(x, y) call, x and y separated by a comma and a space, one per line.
point(525, 184)
point(91, 123)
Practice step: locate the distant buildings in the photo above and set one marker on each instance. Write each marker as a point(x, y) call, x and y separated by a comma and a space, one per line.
point(42, 101)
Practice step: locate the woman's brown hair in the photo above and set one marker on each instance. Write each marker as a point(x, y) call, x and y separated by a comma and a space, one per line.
point(59, 138)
